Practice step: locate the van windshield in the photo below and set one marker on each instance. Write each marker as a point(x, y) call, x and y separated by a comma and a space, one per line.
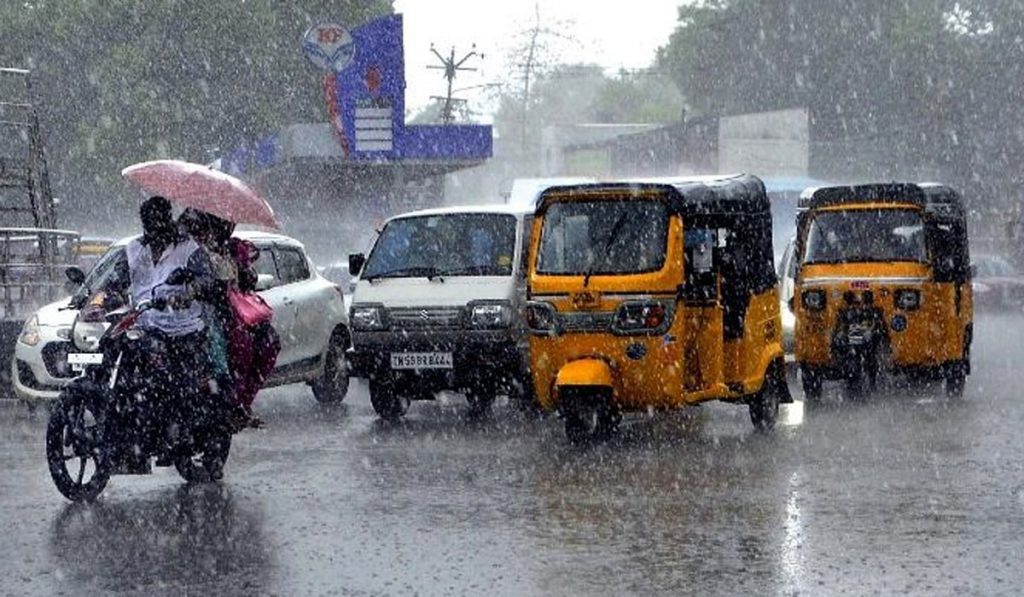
point(603, 237)
point(866, 235)
point(444, 245)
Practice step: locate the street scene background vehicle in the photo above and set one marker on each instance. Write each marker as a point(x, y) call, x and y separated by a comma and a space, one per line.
point(340, 114)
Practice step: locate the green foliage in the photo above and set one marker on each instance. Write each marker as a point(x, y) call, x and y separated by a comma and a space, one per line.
point(923, 86)
point(125, 81)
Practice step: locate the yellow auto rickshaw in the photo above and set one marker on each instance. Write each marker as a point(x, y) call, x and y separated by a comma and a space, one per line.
point(883, 283)
point(654, 295)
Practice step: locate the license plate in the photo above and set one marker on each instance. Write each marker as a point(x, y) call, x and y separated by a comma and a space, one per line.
point(78, 360)
point(421, 360)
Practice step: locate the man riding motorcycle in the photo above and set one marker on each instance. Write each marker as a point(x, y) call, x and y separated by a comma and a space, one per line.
point(148, 263)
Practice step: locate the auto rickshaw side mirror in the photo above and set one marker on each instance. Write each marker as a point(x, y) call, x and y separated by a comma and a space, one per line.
point(75, 275)
point(356, 261)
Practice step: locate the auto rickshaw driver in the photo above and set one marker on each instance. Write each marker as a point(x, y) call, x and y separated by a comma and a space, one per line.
point(654, 295)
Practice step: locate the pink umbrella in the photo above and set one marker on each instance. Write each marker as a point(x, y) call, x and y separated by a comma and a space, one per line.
point(203, 188)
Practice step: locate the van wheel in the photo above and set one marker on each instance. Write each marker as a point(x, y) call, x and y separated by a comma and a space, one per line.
point(589, 416)
point(386, 402)
point(764, 406)
point(812, 385)
point(333, 386)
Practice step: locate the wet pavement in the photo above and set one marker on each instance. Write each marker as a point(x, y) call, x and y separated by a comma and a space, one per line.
point(907, 493)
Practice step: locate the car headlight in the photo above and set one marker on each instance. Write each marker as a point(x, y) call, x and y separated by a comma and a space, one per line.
point(908, 299)
point(367, 317)
point(30, 333)
point(813, 300)
point(490, 315)
point(540, 318)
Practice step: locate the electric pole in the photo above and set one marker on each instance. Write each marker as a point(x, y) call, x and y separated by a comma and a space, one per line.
point(451, 67)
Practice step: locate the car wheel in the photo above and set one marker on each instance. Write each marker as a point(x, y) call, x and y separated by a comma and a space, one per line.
point(333, 386)
point(387, 403)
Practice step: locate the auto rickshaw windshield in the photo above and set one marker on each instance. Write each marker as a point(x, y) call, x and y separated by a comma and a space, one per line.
point(866, 235)
point(603, 237)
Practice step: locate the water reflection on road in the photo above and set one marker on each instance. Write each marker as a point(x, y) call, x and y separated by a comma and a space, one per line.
point(904, 492)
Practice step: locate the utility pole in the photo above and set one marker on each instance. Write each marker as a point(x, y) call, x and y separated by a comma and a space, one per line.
point(451, 67)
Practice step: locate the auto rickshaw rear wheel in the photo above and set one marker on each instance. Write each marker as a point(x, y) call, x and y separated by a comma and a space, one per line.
point(956, 380)
point(764, 406)
point(811, 381)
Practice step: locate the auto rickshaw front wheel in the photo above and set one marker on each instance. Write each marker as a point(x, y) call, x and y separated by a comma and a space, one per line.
point(764, 406)
point(589, 414)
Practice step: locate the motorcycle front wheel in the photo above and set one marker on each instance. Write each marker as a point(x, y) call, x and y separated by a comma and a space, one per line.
point(77, 457)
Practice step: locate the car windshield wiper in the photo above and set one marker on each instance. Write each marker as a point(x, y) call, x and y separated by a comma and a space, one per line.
point(474, 270)
point(428, 272)
point(603, 256)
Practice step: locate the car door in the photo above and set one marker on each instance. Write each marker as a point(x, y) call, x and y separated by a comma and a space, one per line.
point(305, 296)
point(273, 290)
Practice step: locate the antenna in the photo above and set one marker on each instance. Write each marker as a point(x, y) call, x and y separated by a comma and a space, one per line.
point(451, 67)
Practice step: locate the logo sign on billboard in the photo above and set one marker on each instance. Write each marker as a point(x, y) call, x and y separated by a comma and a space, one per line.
point(328, 46)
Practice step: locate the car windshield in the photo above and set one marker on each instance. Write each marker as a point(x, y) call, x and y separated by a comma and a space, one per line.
point(866, 235)
point(444, 245)
point(101, 274)
point(603, 237)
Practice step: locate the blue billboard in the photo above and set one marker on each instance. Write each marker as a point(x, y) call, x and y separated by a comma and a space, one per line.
point(364, 92)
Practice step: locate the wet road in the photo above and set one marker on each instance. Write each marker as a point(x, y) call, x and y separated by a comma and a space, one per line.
point(904, 494)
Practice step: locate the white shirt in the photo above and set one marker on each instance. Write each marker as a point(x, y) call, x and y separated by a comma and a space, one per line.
point(147, 283)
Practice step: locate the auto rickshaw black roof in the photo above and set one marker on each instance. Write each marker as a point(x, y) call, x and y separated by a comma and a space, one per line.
point(938, 199)
point(708, 195)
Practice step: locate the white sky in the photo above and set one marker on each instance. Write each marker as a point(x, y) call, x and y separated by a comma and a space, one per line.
point(614, 35)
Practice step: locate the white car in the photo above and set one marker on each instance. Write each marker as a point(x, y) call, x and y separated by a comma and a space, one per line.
point(309, 316)
point(787, 273)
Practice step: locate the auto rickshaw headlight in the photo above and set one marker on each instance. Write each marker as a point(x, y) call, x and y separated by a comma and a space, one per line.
point(640, 316)
point(490, 315)
point(908, 299)
point(813, 300)
point(540, 317)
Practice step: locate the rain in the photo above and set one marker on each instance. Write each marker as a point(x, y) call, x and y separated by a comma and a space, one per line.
point(533, 298)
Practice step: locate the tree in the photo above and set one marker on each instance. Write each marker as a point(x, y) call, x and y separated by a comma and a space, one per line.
point(124, 81)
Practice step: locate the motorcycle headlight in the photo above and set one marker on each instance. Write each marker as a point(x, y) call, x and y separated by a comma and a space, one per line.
point(30, 333)
point(640, 316)
point(490, 315)
point(540, 318)
point(908, 299)
point(813, 300)
point(367, 318)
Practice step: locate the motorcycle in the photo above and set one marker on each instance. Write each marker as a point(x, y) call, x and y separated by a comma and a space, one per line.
point(127, 408)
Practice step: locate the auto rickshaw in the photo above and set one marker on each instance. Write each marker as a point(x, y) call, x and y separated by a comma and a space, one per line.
point(883, 284)
point(654, 295)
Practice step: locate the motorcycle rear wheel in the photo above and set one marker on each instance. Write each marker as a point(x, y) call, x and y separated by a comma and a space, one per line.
point(206, 466)
point(74, 433)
